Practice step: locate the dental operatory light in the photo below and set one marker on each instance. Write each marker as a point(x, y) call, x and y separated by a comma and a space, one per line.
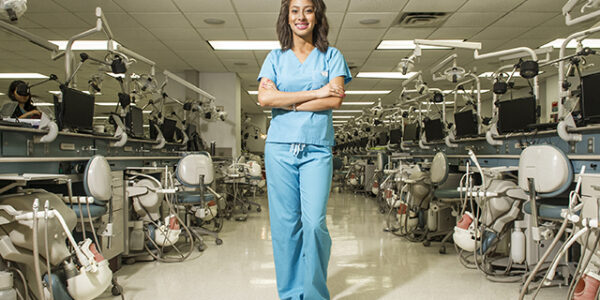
point(407, 64)
point(85, 45)
point(244, 45)
point(529, 69)
point(12, 10)
point(384, 75)
point(590, 43)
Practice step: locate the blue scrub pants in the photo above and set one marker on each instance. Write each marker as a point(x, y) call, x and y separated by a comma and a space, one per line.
point(298, 184)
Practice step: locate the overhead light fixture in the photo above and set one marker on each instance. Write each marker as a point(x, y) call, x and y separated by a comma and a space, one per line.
point(369, 21)
point(447, 103)
point(343, 117)
point(348, 111)
point(85, 45)
point(43, 104)
point(339, 121)
point(408, 45)
point(491, 74)
point(146, 126)
point(358, 103)
point(22, 76)
point(101, 118)
point(252, 92)
point(384, 75)
point(591, 43)
point(147, 111)
point(244, 45)
point(85, 92)
point(133, 76)
point(267, 111)
point(2, 94)
point(107, 103)
point(384, 92)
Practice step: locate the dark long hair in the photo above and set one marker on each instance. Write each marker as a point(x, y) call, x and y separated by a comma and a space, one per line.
point(285, 34)
point(28, 106)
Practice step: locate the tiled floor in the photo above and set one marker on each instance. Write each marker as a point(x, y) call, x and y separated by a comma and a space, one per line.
point(366, 263)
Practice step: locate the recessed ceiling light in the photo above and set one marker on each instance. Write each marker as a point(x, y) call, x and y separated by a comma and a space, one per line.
point(244, 45)
point(591, 43)
point(369, 21)
point(22, 76)
point(85, 44)
point(385, 75)
point(214, 21)
point(407, 45)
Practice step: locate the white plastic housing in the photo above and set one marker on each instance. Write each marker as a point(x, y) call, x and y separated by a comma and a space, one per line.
point(547, 165)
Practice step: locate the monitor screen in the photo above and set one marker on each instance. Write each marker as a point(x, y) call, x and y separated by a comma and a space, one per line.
point(434, 130)
point(77, 109)
point(411, 132)
point(135, 122)
point(466, 124)
point(516, 115)
point(382, 138)
point(168, 129)
point(590, 98)
point(363, 142)
point(396, 136)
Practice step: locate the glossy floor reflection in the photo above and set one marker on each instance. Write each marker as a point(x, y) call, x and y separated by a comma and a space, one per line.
point(366, 263)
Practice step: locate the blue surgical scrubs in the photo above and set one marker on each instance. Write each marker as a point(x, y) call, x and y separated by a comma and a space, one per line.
point(298, 163)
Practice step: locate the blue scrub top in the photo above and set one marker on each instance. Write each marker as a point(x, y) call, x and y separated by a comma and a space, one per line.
point(289, 75)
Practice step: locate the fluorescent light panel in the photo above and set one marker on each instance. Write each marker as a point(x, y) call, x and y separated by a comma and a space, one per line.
point(244, 45)
point(491, 74)
point(43, 104)
point(357, 103)
point(358, 92)
point(407, 45)
point(85, 44)
point(85, 92)
point(384, 75)
point(348, 111)
point(591, 43)
point(343, 117)
point(22, 76)
point(252, 92)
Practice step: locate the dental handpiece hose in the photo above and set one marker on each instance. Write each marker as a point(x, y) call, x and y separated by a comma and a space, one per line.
point(48, 268)
point(36, 251)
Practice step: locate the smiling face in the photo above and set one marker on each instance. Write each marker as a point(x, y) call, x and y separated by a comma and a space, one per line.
point(302, 18)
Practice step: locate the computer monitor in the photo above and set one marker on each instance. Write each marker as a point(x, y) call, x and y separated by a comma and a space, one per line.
point(411, 132)
point(168, 129)
point(363, 142)
point(466, 124)
point(396, 136)
point(434, 130)
point(590, 98)
point(134, 120)
point(516, 115)
point(76, 110)
point(382, 138)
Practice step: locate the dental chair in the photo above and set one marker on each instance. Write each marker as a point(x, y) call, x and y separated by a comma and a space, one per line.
point(195, 172)
point(242, 177)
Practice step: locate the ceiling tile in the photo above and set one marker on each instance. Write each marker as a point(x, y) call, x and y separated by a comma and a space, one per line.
point(352, 20)
point(347, 45)
point(87, 5)
point(188, 45)
point(377, 5)
point(264, 6)
point(337, 5)
point(490, 5)
point(365, 34)
point(161, 20)
point(143, 6)
point(454, 33)
point(197, 19)
point(222, 34)
point(43, 6)
point(204, 6)
point(235, 55)
point(115, 20)
point(260, 56)
point(261, 33)
point(253, 20)
point(469, 19)
point(126, 34)
point(524, 19)
point(499, 33)
point(176, 34)
point(58, 20)
point(433, 5)
point(335, 19)
point(398, 33)
point(549, 33)
point(541, 6)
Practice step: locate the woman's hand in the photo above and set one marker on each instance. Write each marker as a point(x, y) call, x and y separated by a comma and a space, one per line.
point(331, 90)
point(31, 113)
point(269, 85)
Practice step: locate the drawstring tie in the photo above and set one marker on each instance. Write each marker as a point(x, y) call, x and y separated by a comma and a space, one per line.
point(296, 148)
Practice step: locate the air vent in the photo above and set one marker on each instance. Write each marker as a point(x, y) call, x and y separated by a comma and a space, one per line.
point(421, 19)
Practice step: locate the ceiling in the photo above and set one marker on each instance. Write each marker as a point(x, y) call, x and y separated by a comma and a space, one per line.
point(173, 33)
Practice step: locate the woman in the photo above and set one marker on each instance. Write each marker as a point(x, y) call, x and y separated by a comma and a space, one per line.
point(302, 82)
point(25, 109)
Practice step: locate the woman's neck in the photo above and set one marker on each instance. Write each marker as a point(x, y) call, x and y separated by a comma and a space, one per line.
point(302, 45)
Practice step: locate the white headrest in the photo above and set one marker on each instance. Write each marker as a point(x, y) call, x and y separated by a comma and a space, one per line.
point(548, 166)
point(97, 178)
point(439, 168)
point(192, 166)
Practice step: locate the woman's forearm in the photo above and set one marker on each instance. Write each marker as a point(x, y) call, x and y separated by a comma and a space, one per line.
point(274, 98)
point(320, 104)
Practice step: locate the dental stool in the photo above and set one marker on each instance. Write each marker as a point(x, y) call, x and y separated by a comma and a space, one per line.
point(196, 171)
point(440, 219)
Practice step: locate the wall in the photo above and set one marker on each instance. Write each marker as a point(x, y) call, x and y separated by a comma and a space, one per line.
point(257, 121)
